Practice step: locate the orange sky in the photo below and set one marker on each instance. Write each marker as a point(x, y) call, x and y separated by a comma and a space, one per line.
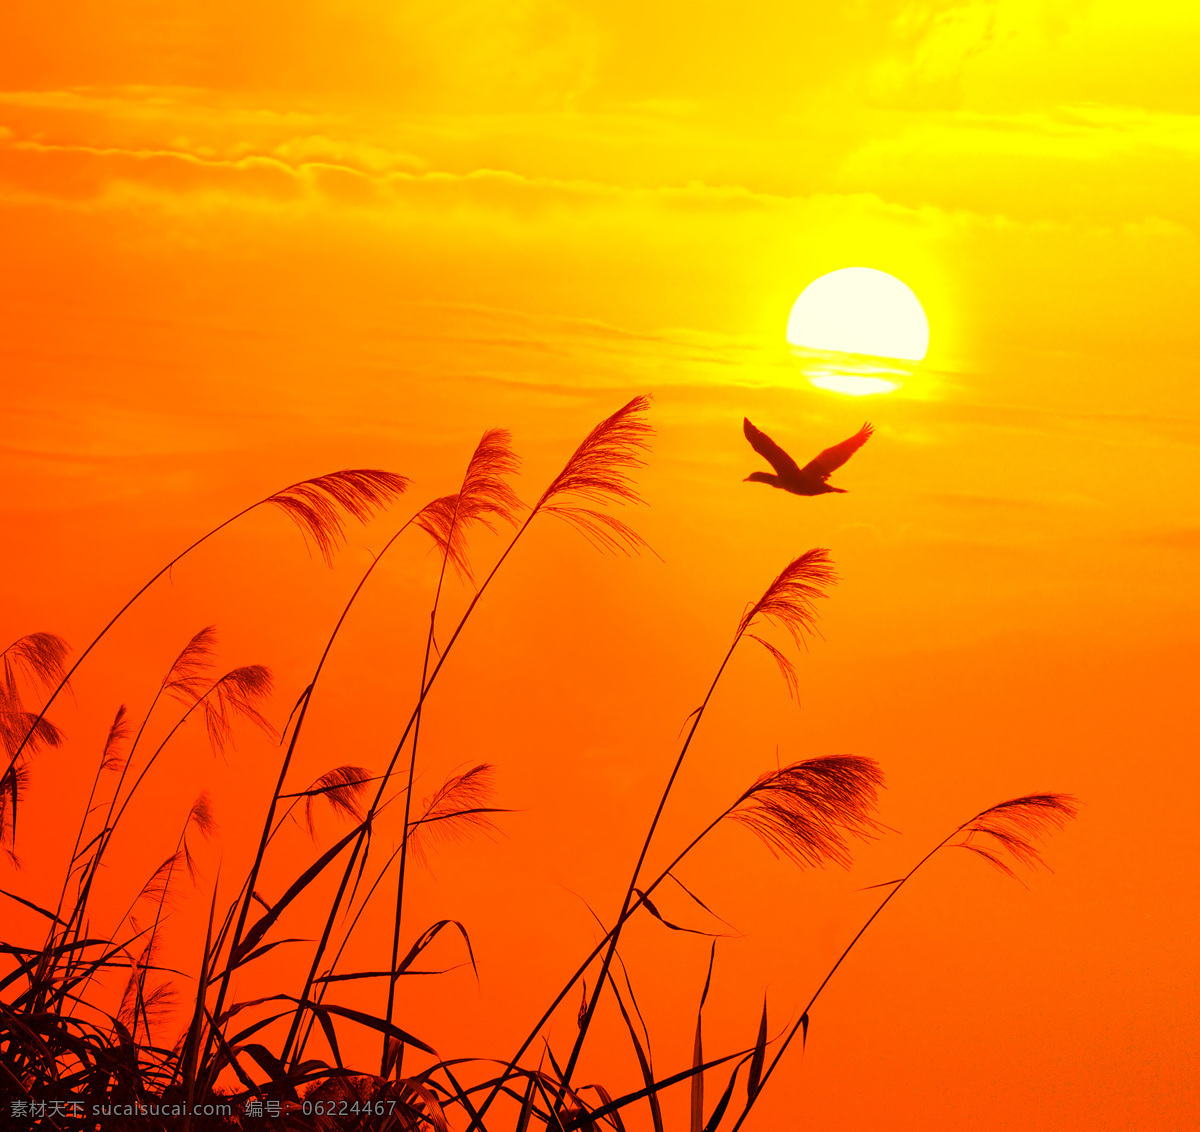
point(242, 248)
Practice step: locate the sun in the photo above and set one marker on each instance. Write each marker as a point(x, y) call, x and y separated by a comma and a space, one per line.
point(864, 312)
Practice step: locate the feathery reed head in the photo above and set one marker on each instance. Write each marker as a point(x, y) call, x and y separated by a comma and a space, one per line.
point(484, 496)
point(237, 693)
point(459, 807)
point(598, 472)
point(38, 657)
point(189, 675)
point(18, 726)
point(200, 816)
point(158, 888)
point(118, 734)
point(1015, 827)
point(320, 506)
point(12, 790)
point(39, 660)
point(342, 788)
point(140, 1006)
point(789, 599)
point(806, 810)
point(787, 668)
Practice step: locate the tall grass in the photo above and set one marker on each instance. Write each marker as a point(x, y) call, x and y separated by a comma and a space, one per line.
point(66, 1032)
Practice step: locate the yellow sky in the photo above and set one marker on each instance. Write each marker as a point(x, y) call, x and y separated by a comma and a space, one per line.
point(244, 244)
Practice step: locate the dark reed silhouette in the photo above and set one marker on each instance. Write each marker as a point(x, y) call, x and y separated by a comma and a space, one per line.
point(811, 479)
point(86, 1014)
point(37, 660)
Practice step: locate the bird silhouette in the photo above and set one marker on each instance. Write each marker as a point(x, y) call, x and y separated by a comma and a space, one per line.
point(809, 480)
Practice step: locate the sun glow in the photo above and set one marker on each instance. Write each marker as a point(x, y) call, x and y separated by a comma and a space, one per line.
point(859, 330)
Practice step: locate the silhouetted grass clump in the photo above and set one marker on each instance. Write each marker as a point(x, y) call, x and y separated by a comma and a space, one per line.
point(176, 1039)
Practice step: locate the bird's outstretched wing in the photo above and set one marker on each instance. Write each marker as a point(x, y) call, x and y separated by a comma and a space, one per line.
point(833, 458)
point(770, 451)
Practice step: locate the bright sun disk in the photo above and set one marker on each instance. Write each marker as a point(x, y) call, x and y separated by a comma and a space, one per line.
point(863, 312)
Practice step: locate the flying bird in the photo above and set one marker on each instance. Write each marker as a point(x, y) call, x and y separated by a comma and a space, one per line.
point(809, 480)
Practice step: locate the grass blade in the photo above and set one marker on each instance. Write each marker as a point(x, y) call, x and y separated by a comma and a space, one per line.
point(697, 1120)
point(756, 1062)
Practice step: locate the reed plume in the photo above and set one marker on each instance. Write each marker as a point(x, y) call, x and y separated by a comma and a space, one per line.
point(342, 788)
point(20, 728)
point(118, 735)
point(190, 672)
point(790, 603)
point(1016, 827)
point(15, 784)
point(485, 496)
point(457, 809)
point(804, 811)
point(201, 817)
point(38, 658)
point(320, 506)
point(187, 680)
point(236, 695)
point(24, 731)
point(158, 888)
point(599, 472)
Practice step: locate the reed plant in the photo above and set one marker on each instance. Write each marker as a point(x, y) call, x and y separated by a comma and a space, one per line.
point(279, 1056)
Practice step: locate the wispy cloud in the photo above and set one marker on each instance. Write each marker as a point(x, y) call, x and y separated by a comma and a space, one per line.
point(1174, 538)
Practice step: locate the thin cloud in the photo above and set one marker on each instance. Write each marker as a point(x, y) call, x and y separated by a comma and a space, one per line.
point(1176, 538)
point(986, 502)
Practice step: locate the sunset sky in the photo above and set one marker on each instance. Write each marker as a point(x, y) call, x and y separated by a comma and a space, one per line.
point(247, 244)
